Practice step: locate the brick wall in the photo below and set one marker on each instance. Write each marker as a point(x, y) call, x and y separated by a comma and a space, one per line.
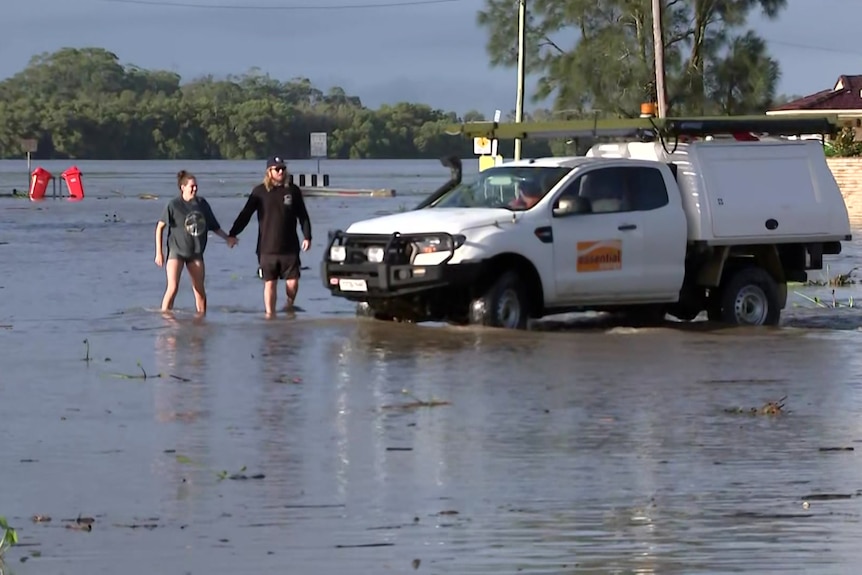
point(848, 175)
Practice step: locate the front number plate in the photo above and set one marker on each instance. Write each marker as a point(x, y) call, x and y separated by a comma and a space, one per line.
point(352, 285)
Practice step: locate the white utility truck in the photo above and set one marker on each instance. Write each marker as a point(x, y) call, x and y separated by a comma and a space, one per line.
point(647, 228)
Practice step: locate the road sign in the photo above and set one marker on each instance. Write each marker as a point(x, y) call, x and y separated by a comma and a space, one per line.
point(318, 145)
point(29, 145)
point(481, 146)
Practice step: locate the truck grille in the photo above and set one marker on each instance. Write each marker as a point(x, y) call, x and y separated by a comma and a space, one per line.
point(400, 251)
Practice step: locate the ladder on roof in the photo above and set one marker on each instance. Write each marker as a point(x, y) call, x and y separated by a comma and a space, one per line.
point(650, 127)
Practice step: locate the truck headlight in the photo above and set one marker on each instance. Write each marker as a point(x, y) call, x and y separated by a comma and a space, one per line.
point(435, 244)
point(374, 254)
point(337, 253)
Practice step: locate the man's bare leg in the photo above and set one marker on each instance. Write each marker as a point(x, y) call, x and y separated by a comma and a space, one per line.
point(291, 288)
point(270, 290)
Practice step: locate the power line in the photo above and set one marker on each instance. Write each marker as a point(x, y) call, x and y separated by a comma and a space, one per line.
point(396, 4)
point(812, 47)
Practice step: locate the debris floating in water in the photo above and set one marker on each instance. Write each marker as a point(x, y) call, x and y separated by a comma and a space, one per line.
point(769, 408)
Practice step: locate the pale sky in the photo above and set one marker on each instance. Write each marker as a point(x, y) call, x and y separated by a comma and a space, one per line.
point(432, 53)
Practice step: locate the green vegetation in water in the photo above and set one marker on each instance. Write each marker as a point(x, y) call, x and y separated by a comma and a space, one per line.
point(416, 403)
point(221, 475)
point(144, 375)
point(10, 536)
point(818, 301)
point(87, 357)
point(841, 280)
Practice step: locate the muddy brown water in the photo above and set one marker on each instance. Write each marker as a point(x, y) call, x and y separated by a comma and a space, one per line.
point(582, 446)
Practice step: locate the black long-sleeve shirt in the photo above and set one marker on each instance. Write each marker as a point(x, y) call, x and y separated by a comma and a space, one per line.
point(278, 211)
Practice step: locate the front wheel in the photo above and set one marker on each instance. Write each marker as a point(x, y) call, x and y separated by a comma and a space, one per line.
point(750, 297)
point(364, 309)
point(504, 304)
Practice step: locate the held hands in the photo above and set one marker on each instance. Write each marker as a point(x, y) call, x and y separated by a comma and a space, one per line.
point(231, 241)
point(305, 245)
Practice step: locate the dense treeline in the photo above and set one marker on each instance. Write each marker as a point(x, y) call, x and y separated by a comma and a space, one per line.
point(83, 103)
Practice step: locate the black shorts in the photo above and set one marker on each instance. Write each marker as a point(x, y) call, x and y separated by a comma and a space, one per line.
point(284, 266)
point(185, 259)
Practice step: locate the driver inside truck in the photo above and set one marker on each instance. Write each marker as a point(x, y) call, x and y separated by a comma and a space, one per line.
point(528, 195)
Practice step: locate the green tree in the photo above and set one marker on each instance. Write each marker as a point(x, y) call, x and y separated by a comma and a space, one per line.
point(598, 56)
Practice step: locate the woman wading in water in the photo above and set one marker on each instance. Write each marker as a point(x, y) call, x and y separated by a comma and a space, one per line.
point(188, 218)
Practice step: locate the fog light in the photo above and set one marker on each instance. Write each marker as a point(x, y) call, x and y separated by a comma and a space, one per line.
point(374, 255)
point(337, 253)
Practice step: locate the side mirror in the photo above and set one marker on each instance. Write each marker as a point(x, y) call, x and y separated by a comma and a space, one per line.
point(572, 205)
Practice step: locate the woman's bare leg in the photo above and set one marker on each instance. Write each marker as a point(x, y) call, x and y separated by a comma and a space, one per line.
point(173, 269)
point(197, 272)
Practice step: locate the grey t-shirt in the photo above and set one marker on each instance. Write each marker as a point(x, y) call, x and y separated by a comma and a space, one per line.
point(188, 224)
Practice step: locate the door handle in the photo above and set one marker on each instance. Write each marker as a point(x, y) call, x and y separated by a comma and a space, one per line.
point(627, 227)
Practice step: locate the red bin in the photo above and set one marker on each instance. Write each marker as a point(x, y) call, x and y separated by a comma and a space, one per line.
point(39, 183)
point(72, 177)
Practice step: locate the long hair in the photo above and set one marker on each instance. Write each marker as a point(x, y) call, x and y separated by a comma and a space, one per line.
point(270, 183)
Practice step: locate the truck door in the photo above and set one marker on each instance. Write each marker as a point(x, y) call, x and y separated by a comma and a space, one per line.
point(664, 231)
point(598, 239)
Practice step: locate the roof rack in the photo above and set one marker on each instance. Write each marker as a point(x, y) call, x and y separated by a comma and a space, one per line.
point(789, 125)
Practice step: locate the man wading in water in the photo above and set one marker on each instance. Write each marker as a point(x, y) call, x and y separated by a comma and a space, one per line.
point(278, 208)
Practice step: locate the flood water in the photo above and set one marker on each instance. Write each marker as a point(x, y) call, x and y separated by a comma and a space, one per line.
point(324, 443)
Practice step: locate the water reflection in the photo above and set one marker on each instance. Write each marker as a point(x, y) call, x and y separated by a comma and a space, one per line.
point(279, 383)
point(183, 398)
point(181, 359)
point(180, 345)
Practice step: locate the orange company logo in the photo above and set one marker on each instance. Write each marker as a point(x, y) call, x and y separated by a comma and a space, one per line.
point(600, 256)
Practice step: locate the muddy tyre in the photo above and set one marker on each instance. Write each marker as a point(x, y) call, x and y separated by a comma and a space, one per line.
point(504, 304)
point(750, 297)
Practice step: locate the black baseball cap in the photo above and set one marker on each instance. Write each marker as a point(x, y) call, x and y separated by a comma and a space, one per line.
point(275, 162)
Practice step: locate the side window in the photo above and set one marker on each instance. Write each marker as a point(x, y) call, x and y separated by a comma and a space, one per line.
point(614, 190)
point(605, 188)
point(647, 189)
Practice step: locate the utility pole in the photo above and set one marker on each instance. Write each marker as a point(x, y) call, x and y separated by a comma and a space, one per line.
point(519, 105)
point(658, 41)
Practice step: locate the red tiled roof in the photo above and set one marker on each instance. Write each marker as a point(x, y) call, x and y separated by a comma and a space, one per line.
point(846, 95)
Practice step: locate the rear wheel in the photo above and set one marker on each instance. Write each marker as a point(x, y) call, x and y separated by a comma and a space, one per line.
point(504, 304)
point(750, 297)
